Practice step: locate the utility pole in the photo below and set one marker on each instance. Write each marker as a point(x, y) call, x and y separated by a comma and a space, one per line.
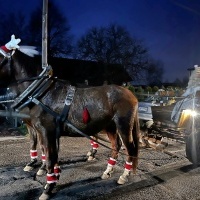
point(44, 33)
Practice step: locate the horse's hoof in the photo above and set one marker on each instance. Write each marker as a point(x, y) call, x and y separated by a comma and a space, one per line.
point(28, 168)
point(41, 172)
point(106, 175)
point(122, 180)
point(44, 197)
point(89, 153)
point(161, 146)
point(90, 158)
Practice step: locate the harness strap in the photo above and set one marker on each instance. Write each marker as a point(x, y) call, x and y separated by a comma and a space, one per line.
point(58, 123)
point(90, 138)
point(48, 110)
point(29, 89)
point(54, 114)
point(30, 79)
point(43, 87)
point(38, 92)
point(68, 102)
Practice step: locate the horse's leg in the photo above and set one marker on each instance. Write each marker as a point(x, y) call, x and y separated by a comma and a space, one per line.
point(42, 169)
point(51, 153)
point(53, 170)
point(115, 145)
point(130, 138)
point(91, 154)
point(33, 150)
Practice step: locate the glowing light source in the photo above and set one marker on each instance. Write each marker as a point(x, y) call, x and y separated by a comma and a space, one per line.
point(192, 113)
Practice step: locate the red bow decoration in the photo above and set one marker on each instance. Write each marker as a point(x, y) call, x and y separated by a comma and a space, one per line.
point(86, 116)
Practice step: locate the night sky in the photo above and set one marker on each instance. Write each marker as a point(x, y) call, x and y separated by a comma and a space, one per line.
point(170, 29)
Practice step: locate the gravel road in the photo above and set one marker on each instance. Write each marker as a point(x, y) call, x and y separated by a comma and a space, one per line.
point(157, 176)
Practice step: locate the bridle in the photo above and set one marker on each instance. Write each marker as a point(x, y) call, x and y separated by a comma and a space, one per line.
point(7, 57)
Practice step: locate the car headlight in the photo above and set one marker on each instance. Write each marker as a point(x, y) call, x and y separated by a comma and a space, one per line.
point(192, 113)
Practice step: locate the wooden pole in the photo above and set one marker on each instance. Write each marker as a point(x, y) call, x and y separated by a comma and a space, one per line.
point(44, 33)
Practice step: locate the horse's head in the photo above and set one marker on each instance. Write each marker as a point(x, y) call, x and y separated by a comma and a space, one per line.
point(6, 52)
point(13, 63)
point(5, 63)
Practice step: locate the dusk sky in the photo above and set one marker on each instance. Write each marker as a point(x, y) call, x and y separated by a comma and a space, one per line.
point(170, 29)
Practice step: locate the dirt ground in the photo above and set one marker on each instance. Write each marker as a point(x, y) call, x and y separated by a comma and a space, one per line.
point(80, 179)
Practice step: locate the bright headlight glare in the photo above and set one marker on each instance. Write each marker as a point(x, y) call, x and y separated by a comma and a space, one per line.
point(193, 113)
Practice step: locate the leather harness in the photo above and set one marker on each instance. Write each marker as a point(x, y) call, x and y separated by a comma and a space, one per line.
point(34, 92)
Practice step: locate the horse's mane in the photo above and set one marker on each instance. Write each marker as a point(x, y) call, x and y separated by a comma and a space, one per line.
point(27, 57)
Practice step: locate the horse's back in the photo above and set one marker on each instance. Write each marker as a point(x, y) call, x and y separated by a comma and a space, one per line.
point(113, 93)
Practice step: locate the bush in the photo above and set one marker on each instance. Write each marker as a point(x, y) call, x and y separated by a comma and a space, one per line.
point(155, 89)
point(148, 89)
point(131, 88)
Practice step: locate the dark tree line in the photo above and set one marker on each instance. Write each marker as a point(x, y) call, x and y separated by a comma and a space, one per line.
point(108, 45)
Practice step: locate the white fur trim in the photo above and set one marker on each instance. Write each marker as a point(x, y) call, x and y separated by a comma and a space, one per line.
point(29, 50)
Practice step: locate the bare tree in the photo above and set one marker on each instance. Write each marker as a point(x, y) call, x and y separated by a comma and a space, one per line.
point(59, 38)
point(154, 72)
point(113, 45)
point(30, 29)
point(13, 23)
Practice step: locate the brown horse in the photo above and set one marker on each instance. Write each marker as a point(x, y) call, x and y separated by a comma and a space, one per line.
point(111, 108)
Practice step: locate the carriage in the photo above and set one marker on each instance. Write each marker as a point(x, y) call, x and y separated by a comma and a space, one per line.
point(179, 120)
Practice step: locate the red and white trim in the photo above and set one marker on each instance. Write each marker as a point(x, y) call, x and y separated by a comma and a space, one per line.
point(94, 144)
point(5, 49)
point(33, 154)
point(43, 158)
point(57, 170)
point(111, 162)
point(51, 178)
point(128, 166)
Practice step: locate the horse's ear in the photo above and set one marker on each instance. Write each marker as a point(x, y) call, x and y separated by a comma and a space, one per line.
point(29, 50)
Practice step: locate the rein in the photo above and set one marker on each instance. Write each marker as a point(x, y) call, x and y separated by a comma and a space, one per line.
point(90, 138)
point(29, 79)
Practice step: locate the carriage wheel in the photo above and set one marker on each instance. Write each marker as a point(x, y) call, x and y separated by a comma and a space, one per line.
point(193, 148)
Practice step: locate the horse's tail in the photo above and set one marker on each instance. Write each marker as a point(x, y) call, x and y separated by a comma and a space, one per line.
point(58, 129)
point(58, 143)
point(135, 135)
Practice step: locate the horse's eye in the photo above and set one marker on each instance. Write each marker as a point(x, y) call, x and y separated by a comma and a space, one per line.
point(1, 58)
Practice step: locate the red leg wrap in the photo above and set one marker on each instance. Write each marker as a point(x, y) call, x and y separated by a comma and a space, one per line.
point(43, 158)
point(111, 161)
point(51, 178)
point(128, 166)
point(95, 145)
point(91, 142)
point(57, 170)
point(33, 154)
